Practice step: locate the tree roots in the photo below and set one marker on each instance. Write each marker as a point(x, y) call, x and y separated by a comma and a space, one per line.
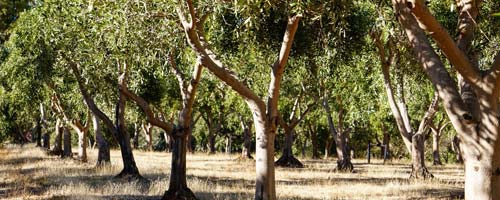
point(181, 194)
point(289, 161)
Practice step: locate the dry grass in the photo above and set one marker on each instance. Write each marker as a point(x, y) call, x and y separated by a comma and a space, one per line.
point(27, 173)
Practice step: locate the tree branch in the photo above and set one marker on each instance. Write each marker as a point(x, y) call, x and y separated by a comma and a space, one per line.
point(166, 126)
point(492, 78)
point(209, 60)
point(89, 100)
point(456, 57)
point(278, 67)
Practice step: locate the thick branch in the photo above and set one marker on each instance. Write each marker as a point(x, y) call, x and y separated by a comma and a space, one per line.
point(492, 77)
point(178, 74)
point(166, 126)
point(429, 114)
point(89, 100)
point(209, 60)
point(434, 68)
point(278, 67)
point(445, 42)
point(190, 95)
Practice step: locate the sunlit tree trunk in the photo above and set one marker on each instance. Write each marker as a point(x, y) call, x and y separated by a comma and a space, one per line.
point(475, 117)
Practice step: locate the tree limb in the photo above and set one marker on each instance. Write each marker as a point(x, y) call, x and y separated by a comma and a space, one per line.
point(445, 42)
point(89, 100)
point(166, 126)
point(278, 67)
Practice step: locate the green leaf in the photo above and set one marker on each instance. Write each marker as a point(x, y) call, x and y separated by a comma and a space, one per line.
point(496, 14)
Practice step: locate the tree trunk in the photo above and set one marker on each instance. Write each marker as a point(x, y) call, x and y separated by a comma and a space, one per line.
point(247, 141)
point(264, 153)
point(178, 188)
point(314, 142)
point(46, 140)
point(146, 129)
point(418, 160)
point(57, 149)
point(38, 130)
point(229, 143)
point(211, 142)
point(103, 155)
point(135, 141)
point(190, 145)
point(287, 159)
point(435, 149)
point(168, 142)
point(343, 155)
point(130, 170)
point(386, 145)
point(479, 177)
point(340, 137)
point(41, 126)
point(328, 147)
point(457, 150)
point(67, 143)
point(82, 145)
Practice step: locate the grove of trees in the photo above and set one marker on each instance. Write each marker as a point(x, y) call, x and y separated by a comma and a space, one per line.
point(273, 81)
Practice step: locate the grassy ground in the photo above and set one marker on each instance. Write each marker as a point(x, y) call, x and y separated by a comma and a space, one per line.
point(27, 173)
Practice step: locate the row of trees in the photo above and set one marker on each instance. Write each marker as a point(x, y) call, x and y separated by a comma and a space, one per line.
point(339, 74)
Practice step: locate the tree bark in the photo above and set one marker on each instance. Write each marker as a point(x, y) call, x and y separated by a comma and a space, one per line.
point(229, 143)
point(135, 141)
point(385, 144)
point(103, 154)
point(169, 145)
point(82, 145)
point(247, 140)
point(178, 188)
point(314, 142)
point(287, 158)
point(67, 153)
point(57, 149)
point(435, 149)
point(418, 160)
point(38, 130)
point(146, 129)
point(457, 150)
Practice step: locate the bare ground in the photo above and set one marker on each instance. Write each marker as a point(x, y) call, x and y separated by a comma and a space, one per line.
point(28, 173)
